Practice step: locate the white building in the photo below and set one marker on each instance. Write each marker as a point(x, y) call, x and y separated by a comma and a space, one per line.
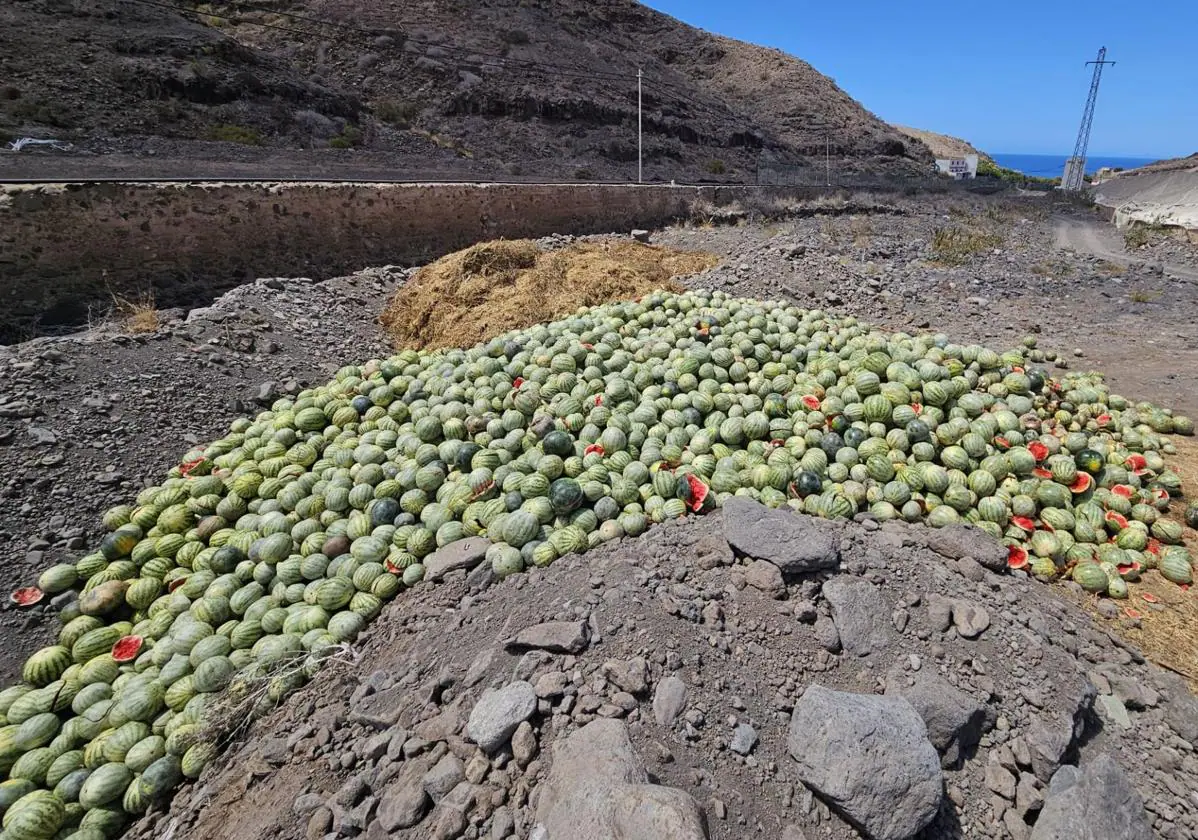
point(959, 168)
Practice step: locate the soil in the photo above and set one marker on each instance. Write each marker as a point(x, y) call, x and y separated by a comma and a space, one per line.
point(676, 598)
point(474, 295)
point(87, 420)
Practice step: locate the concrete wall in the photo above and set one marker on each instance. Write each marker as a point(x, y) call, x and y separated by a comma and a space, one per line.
point(68, 248)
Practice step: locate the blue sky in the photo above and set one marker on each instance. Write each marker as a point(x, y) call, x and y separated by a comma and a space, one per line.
point(1007, 77)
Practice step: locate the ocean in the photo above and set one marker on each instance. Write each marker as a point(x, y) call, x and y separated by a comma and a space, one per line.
point(1053, 166)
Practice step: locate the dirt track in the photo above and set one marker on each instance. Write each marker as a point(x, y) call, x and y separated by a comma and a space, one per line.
point(1086, 236)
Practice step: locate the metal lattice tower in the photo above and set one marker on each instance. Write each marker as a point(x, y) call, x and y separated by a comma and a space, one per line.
point(1075, 167)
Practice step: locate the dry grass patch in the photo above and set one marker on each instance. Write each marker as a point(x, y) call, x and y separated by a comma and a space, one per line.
point(1144, 295)
point(137, 315)
point(488, 289)
point(957, 245)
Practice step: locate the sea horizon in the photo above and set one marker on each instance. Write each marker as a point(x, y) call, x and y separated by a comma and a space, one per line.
point(1053, 166)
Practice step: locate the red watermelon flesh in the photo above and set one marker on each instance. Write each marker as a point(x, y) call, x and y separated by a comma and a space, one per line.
point(27, 596)
point(127, 648)
point(1016, 557)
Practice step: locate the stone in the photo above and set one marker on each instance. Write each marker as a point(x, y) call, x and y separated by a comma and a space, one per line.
point(669, 699)
point(794, 543)
point(502, 823)
point(404, 801)
point(744, 738)
point(554, 636)
point(764, 575)
point(498, 712)
point(318, 824)
point(267, 392)
point(971, 569)
point(632, 675)
point(597, 789)
point(861, 615)
point(1049, 738)
point(1028, 797)
point(959, 540)
point(439, 727)
point(444, 776)
point(477, 767)
point(1181, 713)
point(306, 803)
point(826, 634)
point(868, 757)
point(711, 551)
point(955, 720)
point(1133, 693)
point(524, 744)
point(551, 684)
point(460, 554)
point(999, 779)
point(1093, 802)
point(640, 235)
point(970, 619)
point(1113, 709)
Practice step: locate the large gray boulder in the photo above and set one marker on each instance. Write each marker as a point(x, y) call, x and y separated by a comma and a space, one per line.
point(869, 758)
point(795, 544)
point(955, 721)
point(597, 789)
point(861, 616)
point(1093, 802)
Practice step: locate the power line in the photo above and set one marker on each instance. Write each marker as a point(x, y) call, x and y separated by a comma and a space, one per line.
point(1075, 168)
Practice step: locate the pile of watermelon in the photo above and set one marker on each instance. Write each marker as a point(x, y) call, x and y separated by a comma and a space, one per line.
point(272, 548)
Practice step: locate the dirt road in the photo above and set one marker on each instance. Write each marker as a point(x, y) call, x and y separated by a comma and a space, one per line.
point(1101, 240)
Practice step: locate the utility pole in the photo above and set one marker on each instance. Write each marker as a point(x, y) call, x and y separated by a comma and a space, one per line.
point(639, 141)
point(828, 159)
point(1075, 167)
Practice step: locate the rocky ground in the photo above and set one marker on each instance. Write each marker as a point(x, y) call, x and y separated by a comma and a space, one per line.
point(672, 681)
point(87, 420)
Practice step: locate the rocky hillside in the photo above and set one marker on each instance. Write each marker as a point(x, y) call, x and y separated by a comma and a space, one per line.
point(510, 88)
point(942, 145)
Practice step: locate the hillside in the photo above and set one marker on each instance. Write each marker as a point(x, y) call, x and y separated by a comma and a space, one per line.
point(942, 145)
point(506, 88)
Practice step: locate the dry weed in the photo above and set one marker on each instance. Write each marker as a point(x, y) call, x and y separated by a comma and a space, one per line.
point(957, 245)
point(138, 315)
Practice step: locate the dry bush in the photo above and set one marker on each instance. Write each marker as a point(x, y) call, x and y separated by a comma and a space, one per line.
point(137, 315)
point(861, 229)
point(494, 287)
point(957, 245)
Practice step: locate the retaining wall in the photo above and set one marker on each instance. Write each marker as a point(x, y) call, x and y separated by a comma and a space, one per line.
point(67, 249)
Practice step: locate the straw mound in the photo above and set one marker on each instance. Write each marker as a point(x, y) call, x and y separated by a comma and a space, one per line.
point(484, 291)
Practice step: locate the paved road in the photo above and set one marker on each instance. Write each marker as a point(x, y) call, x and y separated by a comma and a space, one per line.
point(1101, 239)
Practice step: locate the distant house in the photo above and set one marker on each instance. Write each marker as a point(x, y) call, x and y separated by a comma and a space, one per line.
point(959, 168)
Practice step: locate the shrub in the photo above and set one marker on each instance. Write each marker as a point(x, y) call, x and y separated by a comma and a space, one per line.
point(515, 37)
point(350, 137)
point(955, 245)
point(583, 174)
point(716, 167)
point(989, 169)
point(1135, 236)
point(242, 134)
point(398, 114)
